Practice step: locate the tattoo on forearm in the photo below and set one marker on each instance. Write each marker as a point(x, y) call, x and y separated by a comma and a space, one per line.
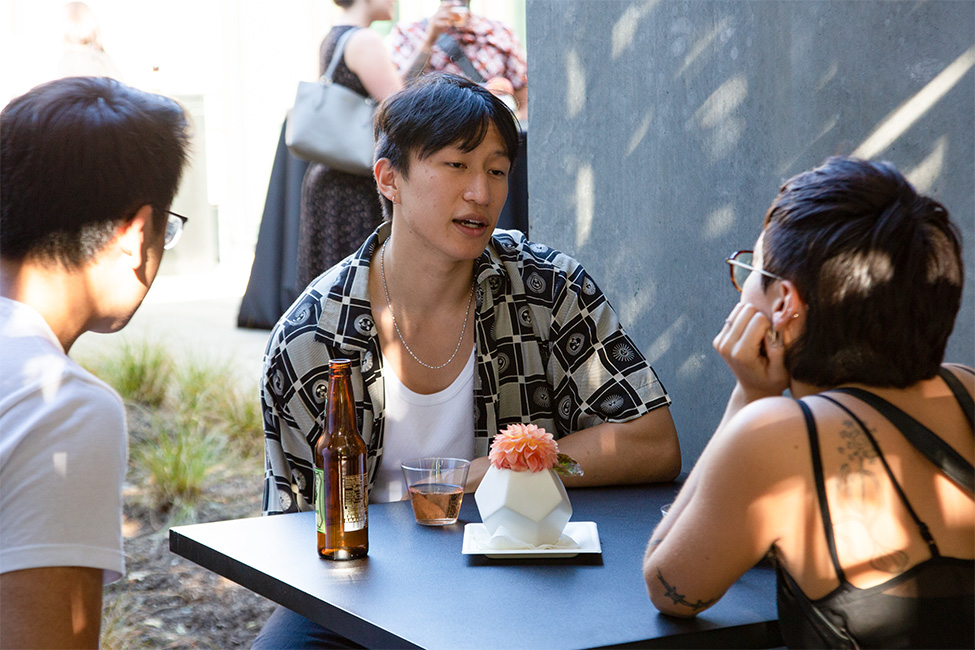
point(679, 598)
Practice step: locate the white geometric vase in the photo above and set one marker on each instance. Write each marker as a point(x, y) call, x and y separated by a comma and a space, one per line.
point(532, 506)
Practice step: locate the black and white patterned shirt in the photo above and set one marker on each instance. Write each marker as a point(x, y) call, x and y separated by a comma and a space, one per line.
point(550, 351)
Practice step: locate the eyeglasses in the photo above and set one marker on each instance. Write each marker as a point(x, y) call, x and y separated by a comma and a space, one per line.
point(741, 267)
point(174, 228)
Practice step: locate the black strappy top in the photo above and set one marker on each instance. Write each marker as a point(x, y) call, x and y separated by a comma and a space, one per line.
point(931, 605)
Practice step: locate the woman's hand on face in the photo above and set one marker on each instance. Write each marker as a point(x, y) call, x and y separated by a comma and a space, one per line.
point(756, 358)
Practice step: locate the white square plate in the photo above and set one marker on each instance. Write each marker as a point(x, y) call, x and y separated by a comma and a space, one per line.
point(583, 533)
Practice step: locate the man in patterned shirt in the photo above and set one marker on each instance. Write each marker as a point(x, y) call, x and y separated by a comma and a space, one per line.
point(491, 46)
point(543, 347)
point(547, 346)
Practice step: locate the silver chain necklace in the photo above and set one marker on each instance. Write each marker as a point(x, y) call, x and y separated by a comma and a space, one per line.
point(382, 270)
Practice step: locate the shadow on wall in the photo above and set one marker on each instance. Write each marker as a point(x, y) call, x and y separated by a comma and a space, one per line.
point(670, 126)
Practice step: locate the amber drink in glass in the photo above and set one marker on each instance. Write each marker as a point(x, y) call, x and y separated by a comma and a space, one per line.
point(436, 487)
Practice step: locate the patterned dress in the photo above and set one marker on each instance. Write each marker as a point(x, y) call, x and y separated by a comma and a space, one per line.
point(338, 210)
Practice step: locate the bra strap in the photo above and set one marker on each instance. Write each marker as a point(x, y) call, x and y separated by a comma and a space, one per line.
point(962, 368)
point(922, 527)
point(817, 462)
point(926, 441)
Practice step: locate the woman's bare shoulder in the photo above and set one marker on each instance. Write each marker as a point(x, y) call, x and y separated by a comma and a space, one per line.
point(768, 419)
point(760, 460)
point(365, 40)
point(766, 439)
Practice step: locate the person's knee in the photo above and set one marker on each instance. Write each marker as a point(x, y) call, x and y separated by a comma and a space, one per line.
point(285, 630)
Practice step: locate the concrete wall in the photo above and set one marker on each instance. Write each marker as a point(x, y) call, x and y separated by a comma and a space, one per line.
point(661, 130)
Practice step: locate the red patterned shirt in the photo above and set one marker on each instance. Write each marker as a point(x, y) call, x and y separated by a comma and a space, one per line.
point(491, 46)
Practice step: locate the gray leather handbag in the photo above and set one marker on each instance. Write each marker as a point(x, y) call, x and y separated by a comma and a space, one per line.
point(331, 123)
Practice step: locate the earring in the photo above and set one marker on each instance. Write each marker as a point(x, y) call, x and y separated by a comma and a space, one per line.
point(774, 338)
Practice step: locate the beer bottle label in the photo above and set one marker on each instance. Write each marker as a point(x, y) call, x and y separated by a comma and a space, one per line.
point(352, 488)
point(320, 500)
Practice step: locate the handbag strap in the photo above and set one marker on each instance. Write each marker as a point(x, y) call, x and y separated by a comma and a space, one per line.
point(337, 54)
point(452, 48)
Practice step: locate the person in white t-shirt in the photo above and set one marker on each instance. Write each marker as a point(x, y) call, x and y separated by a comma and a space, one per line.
point(88, 172)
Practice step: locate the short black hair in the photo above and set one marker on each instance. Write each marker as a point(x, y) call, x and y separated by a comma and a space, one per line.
point(80, 156)
point(879, 267)
point(439, 110)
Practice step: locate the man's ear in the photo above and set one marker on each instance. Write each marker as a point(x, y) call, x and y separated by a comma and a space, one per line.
point(387, 179)
point(134, 235)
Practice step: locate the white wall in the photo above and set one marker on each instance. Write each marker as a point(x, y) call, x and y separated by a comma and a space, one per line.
point(661, 131)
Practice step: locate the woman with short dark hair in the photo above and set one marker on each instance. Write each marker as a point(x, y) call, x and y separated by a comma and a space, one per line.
point(847, 301)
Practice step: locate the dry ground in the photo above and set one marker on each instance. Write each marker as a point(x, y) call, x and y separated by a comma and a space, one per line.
point(165, 601)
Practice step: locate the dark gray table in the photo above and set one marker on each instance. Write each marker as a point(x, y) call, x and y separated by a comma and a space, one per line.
point(416, 588)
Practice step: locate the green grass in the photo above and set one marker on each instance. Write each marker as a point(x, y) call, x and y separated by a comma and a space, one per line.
point(190, 420)
point(177, 459)
point(212, 391)
point(193, 413)
point(140, 371)
point(241, 414)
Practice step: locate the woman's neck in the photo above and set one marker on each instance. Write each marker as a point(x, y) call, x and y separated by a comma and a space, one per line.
point(357, 15)
point(800, 389)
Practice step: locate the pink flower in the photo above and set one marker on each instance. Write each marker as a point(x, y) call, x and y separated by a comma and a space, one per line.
point(523, 447)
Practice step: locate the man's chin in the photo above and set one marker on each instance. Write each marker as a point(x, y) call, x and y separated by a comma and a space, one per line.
point(111, 325)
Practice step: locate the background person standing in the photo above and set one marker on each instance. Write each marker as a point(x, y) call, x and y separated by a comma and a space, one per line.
point(490, 45)
point(339, 210)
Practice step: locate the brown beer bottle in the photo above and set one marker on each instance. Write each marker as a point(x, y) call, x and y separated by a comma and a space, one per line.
point(341, 499)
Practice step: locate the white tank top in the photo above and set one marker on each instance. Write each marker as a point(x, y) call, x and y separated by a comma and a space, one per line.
point(416, 426)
